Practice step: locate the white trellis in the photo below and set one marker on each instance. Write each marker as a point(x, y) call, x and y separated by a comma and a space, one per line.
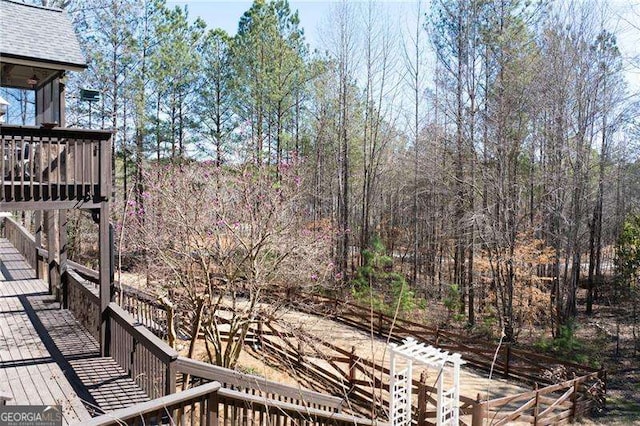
point(413, 352)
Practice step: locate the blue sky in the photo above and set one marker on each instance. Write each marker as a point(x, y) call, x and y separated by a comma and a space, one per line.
point(226, 14)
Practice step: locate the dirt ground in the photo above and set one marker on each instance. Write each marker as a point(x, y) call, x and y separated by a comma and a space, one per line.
point(611, 343)
point(603, 341)
point(472, 383)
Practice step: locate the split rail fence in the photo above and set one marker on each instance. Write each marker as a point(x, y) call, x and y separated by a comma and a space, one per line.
point(357, 380)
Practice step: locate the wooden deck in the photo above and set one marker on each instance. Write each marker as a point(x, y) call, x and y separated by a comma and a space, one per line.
point(46, 356)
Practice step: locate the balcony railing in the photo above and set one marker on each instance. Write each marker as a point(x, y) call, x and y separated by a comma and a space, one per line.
point(64, 166)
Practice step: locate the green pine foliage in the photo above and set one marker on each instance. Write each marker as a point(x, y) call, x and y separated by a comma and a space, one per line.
point(377, 285)
point(565, 345)
point(627, 260)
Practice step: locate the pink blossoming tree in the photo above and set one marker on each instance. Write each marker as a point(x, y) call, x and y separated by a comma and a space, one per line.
point(223, 241)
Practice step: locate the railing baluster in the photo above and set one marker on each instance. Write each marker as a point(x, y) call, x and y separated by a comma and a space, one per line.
point(40, 168)
point(63, 170)
point(3, 155)
point(57, 161)
point(77, 172)
point(20, 167)
point(12, 172)
point(31, 166)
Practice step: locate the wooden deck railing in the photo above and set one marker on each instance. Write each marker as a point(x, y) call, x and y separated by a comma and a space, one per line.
point(178, 408)
point(22, 240)
point(201, 372)
point(60, 165)
point(210, 404)
point(84, 303)
point(141, 305)
point(149, 361)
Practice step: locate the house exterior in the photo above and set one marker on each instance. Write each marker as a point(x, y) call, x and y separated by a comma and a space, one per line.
point(49, 168)
point(38, 46)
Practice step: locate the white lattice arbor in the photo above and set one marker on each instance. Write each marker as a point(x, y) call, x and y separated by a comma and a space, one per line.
point(413, 352)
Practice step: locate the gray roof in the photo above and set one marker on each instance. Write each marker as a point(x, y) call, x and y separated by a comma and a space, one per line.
point(38, 33)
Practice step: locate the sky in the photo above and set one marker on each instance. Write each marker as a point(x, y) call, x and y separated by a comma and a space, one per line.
point(226, 14)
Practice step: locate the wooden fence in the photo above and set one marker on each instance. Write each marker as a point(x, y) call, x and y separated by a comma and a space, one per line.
point(511, 363)
point(555, 404)
point(326, 367)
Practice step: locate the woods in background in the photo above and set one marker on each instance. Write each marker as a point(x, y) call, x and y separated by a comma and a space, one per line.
point(487, 146)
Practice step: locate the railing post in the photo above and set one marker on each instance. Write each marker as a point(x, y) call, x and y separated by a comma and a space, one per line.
point(507, 360)
point(62, 220)
point(212, 414)
point(64, 279)
point(53, 248)
point(170, 379)
point(105, 169)
point(38, 244)
point(422, 399)
point(479, 412)
point(105, 277)
point(536, 407)
point(352, 368)
point(574, 399)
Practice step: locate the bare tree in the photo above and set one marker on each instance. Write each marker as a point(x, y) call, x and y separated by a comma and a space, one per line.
point(226, 240)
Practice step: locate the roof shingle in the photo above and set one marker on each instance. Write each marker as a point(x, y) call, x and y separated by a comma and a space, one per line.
point(38, 33)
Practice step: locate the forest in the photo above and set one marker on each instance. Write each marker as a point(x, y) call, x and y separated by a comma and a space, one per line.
point(481, 156)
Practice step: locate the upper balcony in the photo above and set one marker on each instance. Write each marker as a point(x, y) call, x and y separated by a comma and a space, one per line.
point(46, 166)
point(54, 168)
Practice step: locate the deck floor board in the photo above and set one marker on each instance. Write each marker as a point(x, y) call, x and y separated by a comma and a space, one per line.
point(46, 356)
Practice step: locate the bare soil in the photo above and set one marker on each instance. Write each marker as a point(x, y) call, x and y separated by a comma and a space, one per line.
point(607, 338)
point(601, 339)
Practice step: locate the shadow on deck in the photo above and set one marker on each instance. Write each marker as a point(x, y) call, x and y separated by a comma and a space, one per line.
point(46, 356)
